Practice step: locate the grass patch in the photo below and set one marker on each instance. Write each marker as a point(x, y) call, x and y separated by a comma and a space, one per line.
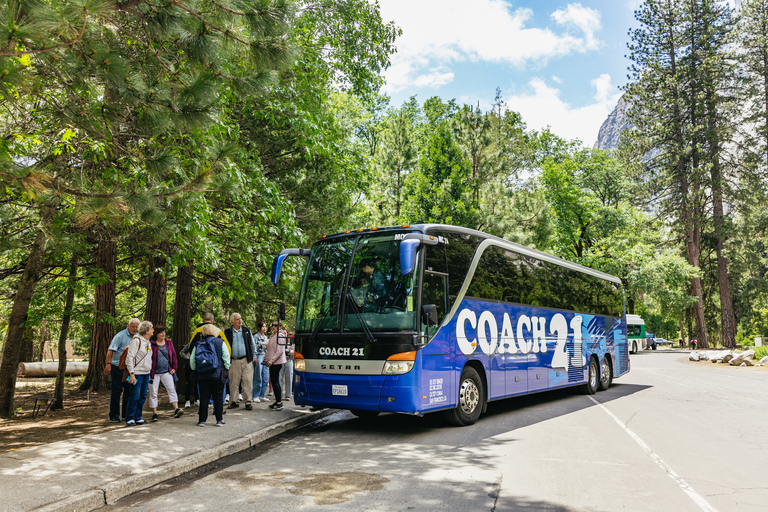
point(760, 352)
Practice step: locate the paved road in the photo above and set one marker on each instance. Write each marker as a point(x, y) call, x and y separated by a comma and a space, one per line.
point(669, 436)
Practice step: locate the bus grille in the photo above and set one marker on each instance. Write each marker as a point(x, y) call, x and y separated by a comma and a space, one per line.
point(623, 357)
point(575, 370)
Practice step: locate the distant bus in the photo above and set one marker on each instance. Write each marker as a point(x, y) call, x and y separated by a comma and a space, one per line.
point(636, 333)
point(416, 319)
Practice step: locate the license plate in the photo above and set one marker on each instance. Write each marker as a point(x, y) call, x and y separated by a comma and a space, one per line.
point(339, 390)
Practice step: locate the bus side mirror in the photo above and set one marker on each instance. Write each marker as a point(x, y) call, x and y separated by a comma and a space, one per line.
point(408, 247)
point(429, 314)
point(408, 256)
point(277, 264)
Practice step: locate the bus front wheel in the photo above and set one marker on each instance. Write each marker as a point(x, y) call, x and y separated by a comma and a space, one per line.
point(471, 397)
point(590, 388)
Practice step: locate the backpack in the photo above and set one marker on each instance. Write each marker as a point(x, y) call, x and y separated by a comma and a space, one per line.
point(206, 359)
point(123, 357)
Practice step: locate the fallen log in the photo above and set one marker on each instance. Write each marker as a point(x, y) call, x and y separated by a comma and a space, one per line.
point(31, 370)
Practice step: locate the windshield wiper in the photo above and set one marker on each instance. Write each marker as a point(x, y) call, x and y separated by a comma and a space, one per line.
point(360, 318)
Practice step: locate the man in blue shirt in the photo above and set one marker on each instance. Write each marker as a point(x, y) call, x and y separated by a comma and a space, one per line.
point(242, 358)
point(121, 340)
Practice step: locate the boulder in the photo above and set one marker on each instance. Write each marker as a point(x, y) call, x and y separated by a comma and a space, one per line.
point(764, 360)
point(745, 357)
point(721, 356)
point(695, 356)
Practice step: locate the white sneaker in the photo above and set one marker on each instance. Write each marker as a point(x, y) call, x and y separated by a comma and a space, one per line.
point(239, 397)
point(226, 399)
point(197, 402)
point(256, 399)
point(187, 405)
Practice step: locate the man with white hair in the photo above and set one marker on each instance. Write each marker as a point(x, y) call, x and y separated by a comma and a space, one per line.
point(242, 357)
point(121, 340)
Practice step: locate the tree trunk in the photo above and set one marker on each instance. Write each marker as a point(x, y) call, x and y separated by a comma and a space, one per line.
point(682, 329)
point(157, 288)
point(103, 328)
point(727, 318)
point(182, 315)
point(27, 352)
point(58, 395)
point(29, 279)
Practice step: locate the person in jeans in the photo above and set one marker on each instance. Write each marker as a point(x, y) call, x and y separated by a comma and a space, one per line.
point(119, 386)
point(164, 366)
point(260, 372)
point(139, 364)
point(275, 358)
point(286, 374)
point(211, 385)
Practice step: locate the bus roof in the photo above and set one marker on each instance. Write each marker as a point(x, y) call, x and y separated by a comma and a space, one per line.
point(634, 320)
point(521, 249)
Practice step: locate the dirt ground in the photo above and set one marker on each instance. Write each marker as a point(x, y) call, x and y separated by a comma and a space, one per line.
point(83, 414)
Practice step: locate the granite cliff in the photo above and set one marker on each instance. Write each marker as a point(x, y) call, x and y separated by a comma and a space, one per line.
point(608, 136)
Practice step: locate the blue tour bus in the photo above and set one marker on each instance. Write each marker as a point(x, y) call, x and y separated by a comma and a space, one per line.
point(422, 318)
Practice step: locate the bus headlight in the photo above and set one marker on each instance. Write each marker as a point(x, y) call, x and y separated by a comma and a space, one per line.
point(399, 364)
point(299, 364)
point(397, 367)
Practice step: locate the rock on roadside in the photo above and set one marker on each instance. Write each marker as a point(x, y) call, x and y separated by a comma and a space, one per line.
point(743, 359)
point(722, 357)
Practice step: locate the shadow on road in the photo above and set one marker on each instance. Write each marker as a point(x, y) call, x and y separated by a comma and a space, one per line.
point(501, 417)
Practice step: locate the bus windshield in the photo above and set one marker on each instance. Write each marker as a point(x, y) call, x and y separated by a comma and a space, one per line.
point(354, 284)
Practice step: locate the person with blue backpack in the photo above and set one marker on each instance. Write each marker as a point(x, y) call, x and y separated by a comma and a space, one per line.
point(210, 362)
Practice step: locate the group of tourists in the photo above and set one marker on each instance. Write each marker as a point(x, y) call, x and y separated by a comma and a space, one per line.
point(220, 367)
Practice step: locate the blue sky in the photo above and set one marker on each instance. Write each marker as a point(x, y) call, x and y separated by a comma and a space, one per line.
point(559, 64)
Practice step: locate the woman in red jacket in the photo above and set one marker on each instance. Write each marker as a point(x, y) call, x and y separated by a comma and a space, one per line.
point(164, 366)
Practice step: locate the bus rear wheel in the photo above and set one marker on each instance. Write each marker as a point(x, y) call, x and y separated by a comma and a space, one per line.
point(364, 414)
point(590, 388)
point(606, 374)
point(471, 397)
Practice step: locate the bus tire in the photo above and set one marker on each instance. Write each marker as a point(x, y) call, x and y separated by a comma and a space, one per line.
point(590, 388)
point(471, 399)
point(606, 374)
point(364, 414)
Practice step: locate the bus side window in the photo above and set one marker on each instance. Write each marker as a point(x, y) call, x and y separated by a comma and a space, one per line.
point(434, 291)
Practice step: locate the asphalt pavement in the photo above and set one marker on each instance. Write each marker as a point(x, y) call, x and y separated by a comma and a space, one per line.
point(671, 435)
point(88, 472)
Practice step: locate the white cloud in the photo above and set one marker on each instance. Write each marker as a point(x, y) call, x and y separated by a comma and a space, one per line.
point(556, 79)
point(543, 106)
point(439, 32)
point(584, 18)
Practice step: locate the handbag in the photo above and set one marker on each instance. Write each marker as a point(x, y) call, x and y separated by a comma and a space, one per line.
point(175, 378)
point(124, 366)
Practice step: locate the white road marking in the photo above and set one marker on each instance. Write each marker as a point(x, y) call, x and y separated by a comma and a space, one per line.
point(696, 497)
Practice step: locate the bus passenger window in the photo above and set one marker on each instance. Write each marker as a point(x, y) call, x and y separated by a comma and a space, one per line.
point(434, 291)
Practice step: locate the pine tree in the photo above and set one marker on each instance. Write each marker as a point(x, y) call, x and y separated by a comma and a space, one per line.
point(665, 107)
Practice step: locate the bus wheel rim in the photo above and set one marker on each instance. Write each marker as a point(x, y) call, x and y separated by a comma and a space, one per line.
point(592, 375)
point(605, 374)
point(469, 396)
